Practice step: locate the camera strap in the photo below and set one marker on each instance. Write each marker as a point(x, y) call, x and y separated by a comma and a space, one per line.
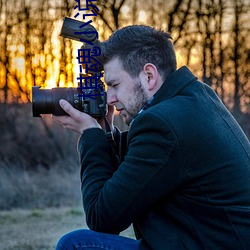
point(110, 137)
point(109, 133)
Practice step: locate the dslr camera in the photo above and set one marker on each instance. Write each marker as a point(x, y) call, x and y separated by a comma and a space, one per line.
point(85, 99)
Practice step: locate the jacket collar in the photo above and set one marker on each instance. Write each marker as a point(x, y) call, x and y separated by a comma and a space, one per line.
point(173, 84)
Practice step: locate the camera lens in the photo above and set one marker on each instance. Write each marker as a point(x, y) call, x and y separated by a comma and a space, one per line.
point(46, 101)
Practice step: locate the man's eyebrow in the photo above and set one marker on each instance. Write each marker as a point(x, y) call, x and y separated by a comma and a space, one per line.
point(110, 82)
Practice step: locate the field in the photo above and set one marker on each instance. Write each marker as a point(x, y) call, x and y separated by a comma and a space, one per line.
point(39, 229)
point(40, 197)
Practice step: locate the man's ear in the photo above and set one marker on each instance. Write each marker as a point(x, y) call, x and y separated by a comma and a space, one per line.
point(152, 76)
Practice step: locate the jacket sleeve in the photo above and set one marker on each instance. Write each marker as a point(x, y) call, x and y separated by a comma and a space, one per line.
point(113, 199)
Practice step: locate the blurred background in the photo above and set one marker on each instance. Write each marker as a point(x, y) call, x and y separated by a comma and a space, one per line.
point(38, 160)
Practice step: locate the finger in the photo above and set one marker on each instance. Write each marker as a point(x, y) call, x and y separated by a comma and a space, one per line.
point(68, 108)
point(57, 119)
point(67, 122)
point(110, 115)
point(63, 120)
point(111, 109)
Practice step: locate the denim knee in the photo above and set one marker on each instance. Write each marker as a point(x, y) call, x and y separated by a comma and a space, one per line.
point(87, 239)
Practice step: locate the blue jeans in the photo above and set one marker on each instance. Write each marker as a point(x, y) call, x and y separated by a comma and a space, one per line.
point(87, 239)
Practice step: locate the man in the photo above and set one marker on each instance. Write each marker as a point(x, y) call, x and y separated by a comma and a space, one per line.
point(183, 178)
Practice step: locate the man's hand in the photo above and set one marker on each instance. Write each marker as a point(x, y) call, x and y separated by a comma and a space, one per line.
point(76, 121)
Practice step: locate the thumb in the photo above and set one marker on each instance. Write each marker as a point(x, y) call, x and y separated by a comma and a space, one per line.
point(66, 106)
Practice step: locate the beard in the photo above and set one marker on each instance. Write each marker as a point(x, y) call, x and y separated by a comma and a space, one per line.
point(135, 103)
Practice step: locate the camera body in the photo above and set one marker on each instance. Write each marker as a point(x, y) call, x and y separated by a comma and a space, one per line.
point(87, 100)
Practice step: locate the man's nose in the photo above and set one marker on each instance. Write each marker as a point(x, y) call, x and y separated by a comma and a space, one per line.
point(111, 97)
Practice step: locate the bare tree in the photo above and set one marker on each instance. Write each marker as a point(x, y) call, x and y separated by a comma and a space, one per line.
point(239, 54)
point(5, 30)
point(210, 35)
point(109, 12)
point(66, 58)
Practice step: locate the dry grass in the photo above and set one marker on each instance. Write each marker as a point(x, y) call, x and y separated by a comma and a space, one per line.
point(41, 188)
point(40, 229)
point(39, 184)
point(39, 165)
point(36, 229)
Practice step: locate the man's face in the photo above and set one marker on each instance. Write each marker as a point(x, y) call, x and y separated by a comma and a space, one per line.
point(127, 94)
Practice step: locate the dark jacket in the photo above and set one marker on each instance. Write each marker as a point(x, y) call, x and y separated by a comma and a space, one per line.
point(185, 178)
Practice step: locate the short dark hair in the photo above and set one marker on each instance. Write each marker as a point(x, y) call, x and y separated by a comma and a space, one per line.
point(137, 45)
